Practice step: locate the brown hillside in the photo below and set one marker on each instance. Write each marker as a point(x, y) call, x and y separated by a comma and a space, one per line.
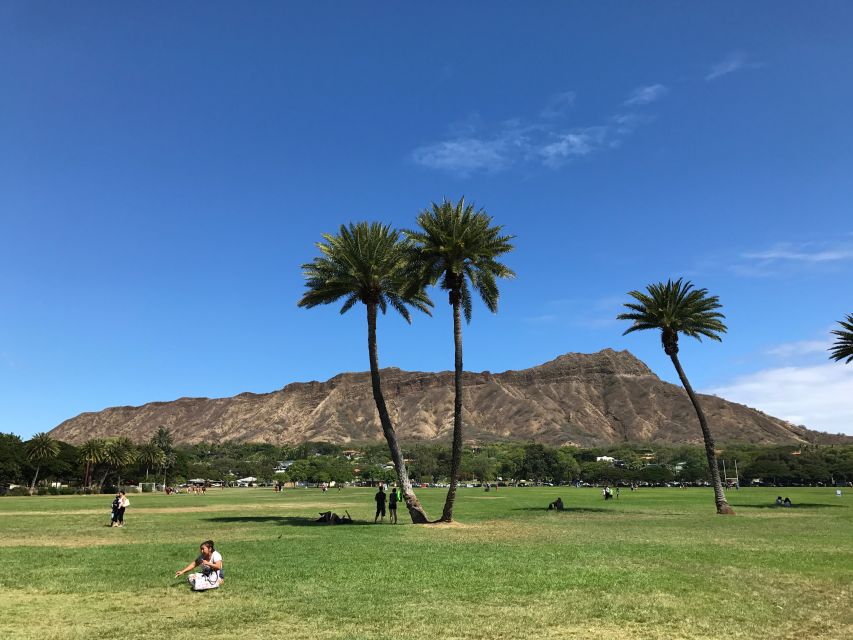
point(583, 399)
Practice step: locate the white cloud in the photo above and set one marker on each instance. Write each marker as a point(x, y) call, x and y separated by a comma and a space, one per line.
point(559, 105)
point(464, 155)
point(646, 95)
point(576, 143)
point(800, 348)
point(735, 61)
point(819, 397)
point(788, 257)
point(472, 146)
point(790, 253)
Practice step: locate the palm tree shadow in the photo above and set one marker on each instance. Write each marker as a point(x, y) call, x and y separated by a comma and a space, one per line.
point(284, 521)
point(798, 505)
point(568, 510)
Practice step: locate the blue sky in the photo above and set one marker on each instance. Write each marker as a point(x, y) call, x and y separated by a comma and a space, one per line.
point(166, 167)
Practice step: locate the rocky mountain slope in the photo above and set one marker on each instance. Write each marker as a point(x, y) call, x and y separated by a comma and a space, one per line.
point(582, 399)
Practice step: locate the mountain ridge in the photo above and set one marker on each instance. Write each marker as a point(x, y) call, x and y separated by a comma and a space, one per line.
point(579, 399)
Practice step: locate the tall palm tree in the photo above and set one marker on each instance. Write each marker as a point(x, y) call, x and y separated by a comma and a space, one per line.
point(457, 246)
point(40, 449)
point(91, 453)
point(673, 308)
point(151, 456)
point(367, 263)
point(843, 347)
point(118, 454)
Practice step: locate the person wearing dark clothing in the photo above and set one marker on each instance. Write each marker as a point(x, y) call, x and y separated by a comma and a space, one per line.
point(392, 507)
point(786, 502)
point(116, 505)
point(380, 505)
point(556, 505)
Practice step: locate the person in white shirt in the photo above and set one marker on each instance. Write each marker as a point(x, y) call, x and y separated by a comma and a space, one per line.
point(209, 561)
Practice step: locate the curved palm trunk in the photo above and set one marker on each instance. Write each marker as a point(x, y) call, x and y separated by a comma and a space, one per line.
point(456, 457)
point(719, 497)
point(416, 511)
point(33, 485)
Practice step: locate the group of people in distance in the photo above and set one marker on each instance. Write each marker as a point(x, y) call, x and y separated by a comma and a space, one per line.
point(783, 503)
point(608, 494)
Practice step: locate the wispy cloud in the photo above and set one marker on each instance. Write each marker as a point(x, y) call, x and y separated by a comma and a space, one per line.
point(546, 139)
point(646, 95)
point(815, 396)
point(559, 105)
point(789, 350)
point(735, 61)
point(784, 258)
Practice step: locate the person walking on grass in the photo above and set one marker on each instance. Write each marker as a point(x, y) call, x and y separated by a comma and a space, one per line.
point(380, 504)
point(393, 497)
point(123, 504)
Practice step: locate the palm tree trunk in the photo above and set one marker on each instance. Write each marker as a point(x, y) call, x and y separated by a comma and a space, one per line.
point(456, 456)
point(416, 511)
point(719, 497)
point(33, 485)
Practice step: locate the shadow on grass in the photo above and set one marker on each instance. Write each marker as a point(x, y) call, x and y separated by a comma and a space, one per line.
point(286, 521)
point(568, 510)
point(798, 505)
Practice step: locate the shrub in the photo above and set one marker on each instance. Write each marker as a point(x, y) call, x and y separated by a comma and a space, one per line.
point(18, 491)
point(147, 487)
point(43, 491)
point(67, 491)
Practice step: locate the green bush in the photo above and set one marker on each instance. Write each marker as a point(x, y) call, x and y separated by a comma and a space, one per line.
point(147, 487)
point(67, 491)
point(54, 491)
point(18, 491)
point(43, 491)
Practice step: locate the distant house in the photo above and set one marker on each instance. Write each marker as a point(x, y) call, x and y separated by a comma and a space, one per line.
point(251, 481)
point(282, 466)
point(609, 459)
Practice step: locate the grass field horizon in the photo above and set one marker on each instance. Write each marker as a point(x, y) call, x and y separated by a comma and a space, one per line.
point(657, 563)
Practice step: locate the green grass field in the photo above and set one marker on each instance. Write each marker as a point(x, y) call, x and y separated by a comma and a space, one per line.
point(658, 563)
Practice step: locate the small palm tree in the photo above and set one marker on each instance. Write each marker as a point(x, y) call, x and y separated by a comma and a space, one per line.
point(843, 347)
point(673, 308)
point(457, 247)
point(367, 263)
point(40, 449)
point(92, 453)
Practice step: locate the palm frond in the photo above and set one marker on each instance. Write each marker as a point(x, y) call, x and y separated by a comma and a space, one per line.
point(842, 349)
point(675, 306)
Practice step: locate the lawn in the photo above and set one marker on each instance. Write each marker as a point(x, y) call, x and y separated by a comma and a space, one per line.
point(657, 563)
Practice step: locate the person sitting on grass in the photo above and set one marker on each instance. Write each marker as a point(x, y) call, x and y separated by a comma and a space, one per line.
point(557, 504)
point(210, 562)
point(778, 501)
point(787, 502)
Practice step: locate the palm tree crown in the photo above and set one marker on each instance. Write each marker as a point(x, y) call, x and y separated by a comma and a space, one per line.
point(42, 448)
point(675, 307)
point(843, 347)
point(457, 244)
point(365, 262)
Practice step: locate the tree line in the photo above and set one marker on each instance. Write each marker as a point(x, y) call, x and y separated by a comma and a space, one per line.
point(28, 463)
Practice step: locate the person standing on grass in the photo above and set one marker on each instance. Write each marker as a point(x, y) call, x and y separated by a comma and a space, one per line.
point(380, 504)
point(123, 504)
point(116, 505)
point(392, 506)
